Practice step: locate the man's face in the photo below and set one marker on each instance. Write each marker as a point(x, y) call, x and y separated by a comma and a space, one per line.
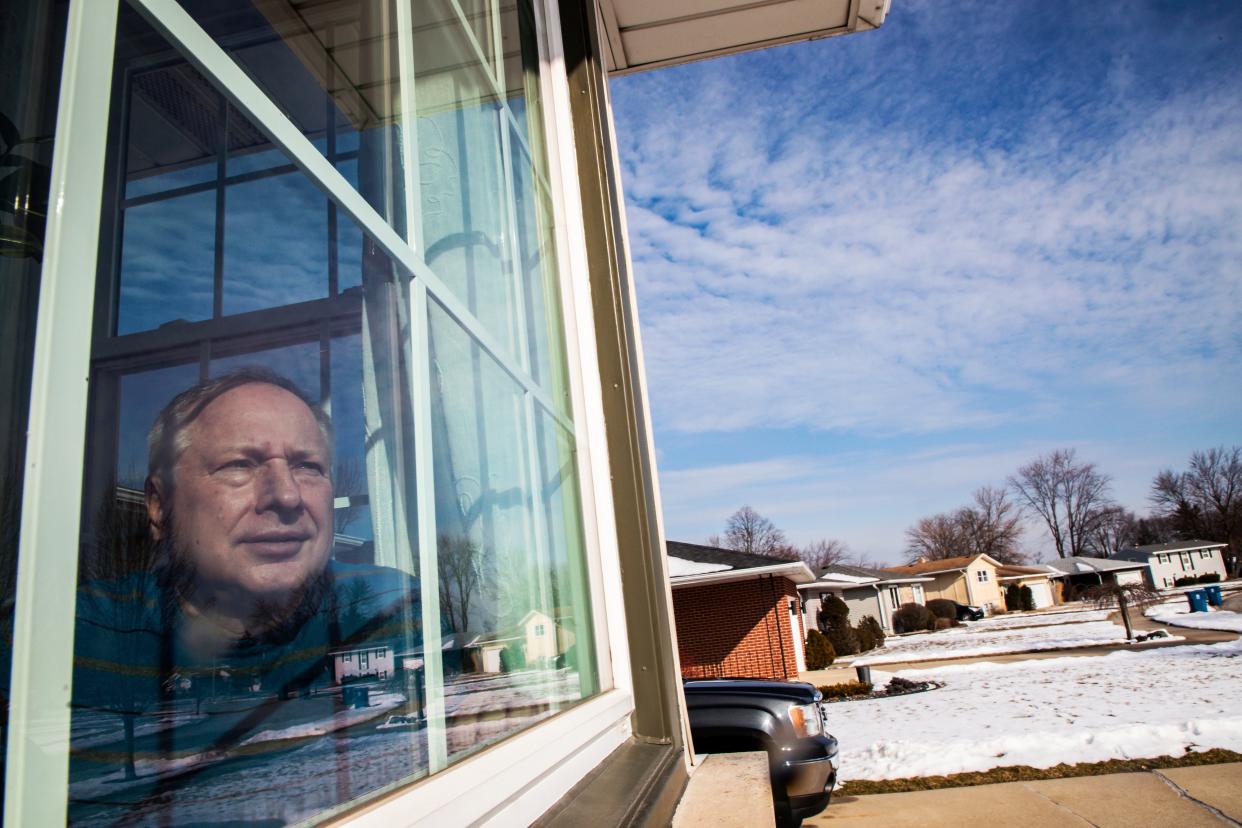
point(252, 500)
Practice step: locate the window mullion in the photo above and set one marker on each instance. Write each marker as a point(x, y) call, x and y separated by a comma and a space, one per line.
point(37, 761)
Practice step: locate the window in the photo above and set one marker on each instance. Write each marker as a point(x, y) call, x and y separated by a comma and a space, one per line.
point(981, 575)
point(539, 630)
point(330, 407)
point(894, 597)
point(917, 589)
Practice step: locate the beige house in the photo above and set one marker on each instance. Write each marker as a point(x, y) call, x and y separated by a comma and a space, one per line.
point(1038, 579)
point(966, 579)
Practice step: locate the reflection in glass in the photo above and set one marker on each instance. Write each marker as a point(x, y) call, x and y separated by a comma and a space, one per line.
point(167, 262)
point(514, 621)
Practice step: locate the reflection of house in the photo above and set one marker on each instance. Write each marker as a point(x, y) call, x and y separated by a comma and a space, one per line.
point(1037, 579)
point(872, 592)
point(737, 614)
point(968, 579)
point(1183, 559)
point(1077, 574)
point(544, 637)
point(365, 662)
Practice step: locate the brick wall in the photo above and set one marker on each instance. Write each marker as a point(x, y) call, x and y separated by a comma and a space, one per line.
point(737, 629)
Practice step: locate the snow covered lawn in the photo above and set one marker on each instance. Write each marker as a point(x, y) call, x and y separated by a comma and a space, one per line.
point(1039, 619)
point(976, 639)
point(1129, 704)
point(1179, 615)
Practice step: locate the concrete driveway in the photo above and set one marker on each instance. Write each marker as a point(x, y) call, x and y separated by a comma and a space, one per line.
point(1209, 795)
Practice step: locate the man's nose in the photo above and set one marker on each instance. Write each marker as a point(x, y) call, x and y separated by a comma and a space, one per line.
point(278, 489)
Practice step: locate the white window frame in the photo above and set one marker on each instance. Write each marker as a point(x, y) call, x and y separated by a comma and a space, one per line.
point(511, 782)
point(916, 590)
point(981, 575)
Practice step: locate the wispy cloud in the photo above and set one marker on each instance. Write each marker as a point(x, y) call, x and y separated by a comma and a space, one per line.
point(971, 220)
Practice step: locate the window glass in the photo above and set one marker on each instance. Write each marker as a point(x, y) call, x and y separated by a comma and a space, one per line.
point(32, 41)
point(250, 643)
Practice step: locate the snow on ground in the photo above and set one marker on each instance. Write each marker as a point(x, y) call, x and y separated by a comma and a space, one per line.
point(1179, 615)
point(972, 640)
point(1039, 619)
point(1128, 704)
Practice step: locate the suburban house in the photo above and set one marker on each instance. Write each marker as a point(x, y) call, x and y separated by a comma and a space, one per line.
point(737, 614)
point(1167, 562)
point(426, 237)
point(1076, 574)
point(366, 662)
point(1038, 579)
point(865, 591)
point(968, 579)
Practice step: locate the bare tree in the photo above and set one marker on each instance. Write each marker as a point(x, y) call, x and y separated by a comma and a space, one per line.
point(461, 572)
point(1123, 596)
point(1066, 494)
point(1206, 500)
point(824, 552)
point(992, 525)
point(935, 538)
point(749, 531)
point(1114, 529)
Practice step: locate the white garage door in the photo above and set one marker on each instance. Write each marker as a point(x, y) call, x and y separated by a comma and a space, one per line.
point(1134, 576)
point(1042, 593)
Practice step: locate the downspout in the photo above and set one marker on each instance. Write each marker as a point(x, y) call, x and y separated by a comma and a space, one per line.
point(879, 599)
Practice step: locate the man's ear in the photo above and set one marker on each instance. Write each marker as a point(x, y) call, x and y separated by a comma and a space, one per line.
point(156, 508)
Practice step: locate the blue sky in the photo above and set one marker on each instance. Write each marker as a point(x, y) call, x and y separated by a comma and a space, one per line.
point(876, 272)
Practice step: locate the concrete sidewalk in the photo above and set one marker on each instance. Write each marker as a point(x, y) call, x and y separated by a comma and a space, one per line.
point(1208, 795)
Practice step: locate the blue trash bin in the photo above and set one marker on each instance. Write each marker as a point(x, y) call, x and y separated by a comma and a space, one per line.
point(1198, 600)
point(1213, 595)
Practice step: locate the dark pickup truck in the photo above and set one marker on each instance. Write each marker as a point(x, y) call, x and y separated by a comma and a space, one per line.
point(784, 719)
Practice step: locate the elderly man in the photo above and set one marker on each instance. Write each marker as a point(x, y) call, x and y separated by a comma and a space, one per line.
point(243, 598)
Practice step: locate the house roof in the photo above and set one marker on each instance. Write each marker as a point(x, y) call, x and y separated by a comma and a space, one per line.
point(845, 576)
point(1014, 572)
point(692, 563)
point(1078, 565)
point(942, 565)
point(1176, 546)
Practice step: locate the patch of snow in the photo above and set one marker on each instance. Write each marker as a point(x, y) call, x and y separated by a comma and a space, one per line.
point(1044, 712)
point(680, 567)
point(1180, 616)
point(829, 577)
point(1038, 619)
point(959, 642)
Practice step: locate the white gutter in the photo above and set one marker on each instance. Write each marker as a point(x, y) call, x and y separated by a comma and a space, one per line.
point(795, 571)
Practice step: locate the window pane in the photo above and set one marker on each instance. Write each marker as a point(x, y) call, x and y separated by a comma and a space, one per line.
point(331, 67)
point(504, 566)
point(168, 262)
point(32, 41)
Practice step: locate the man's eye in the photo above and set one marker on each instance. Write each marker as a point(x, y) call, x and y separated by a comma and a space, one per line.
point(239, 463)
point(310, 466)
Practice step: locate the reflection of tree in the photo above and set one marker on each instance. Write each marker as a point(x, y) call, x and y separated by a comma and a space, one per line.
point(24, 184)
point(461, 573)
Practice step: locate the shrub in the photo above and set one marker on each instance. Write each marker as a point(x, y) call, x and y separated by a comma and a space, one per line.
point(819, 652)
point(877, 632)
point(943, 608)
point(866, 641)
point(912, 617)
point(1013, 597)
point(1189, 580)
point(1028, 598)
point(843, 638)
point(832, 610)
point(1210, 578)
point(847, 690)
point(942, 623)
point(512, 657)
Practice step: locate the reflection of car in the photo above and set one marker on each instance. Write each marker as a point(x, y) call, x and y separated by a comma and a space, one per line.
point(968, 613)
point(784, 719)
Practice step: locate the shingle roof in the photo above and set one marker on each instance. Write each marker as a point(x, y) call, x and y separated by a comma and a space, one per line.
point(942, 565)
point(1009, 571)
point(1176, 546)
point(853, 571)
point(715, 555)
point(1079, 565)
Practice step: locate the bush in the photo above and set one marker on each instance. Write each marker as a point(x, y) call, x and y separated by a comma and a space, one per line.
point(1027, 598)
point(877, 632)
point(1210, 578)
point(831, 610)
point(942, 623)
point(843, 638)
point(943, 608)
point(866, 640)
point(512, 657)
point(912, 617)
point(819, 652)
point(1189, 580)
point(847, 690)
point(1013, 597)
